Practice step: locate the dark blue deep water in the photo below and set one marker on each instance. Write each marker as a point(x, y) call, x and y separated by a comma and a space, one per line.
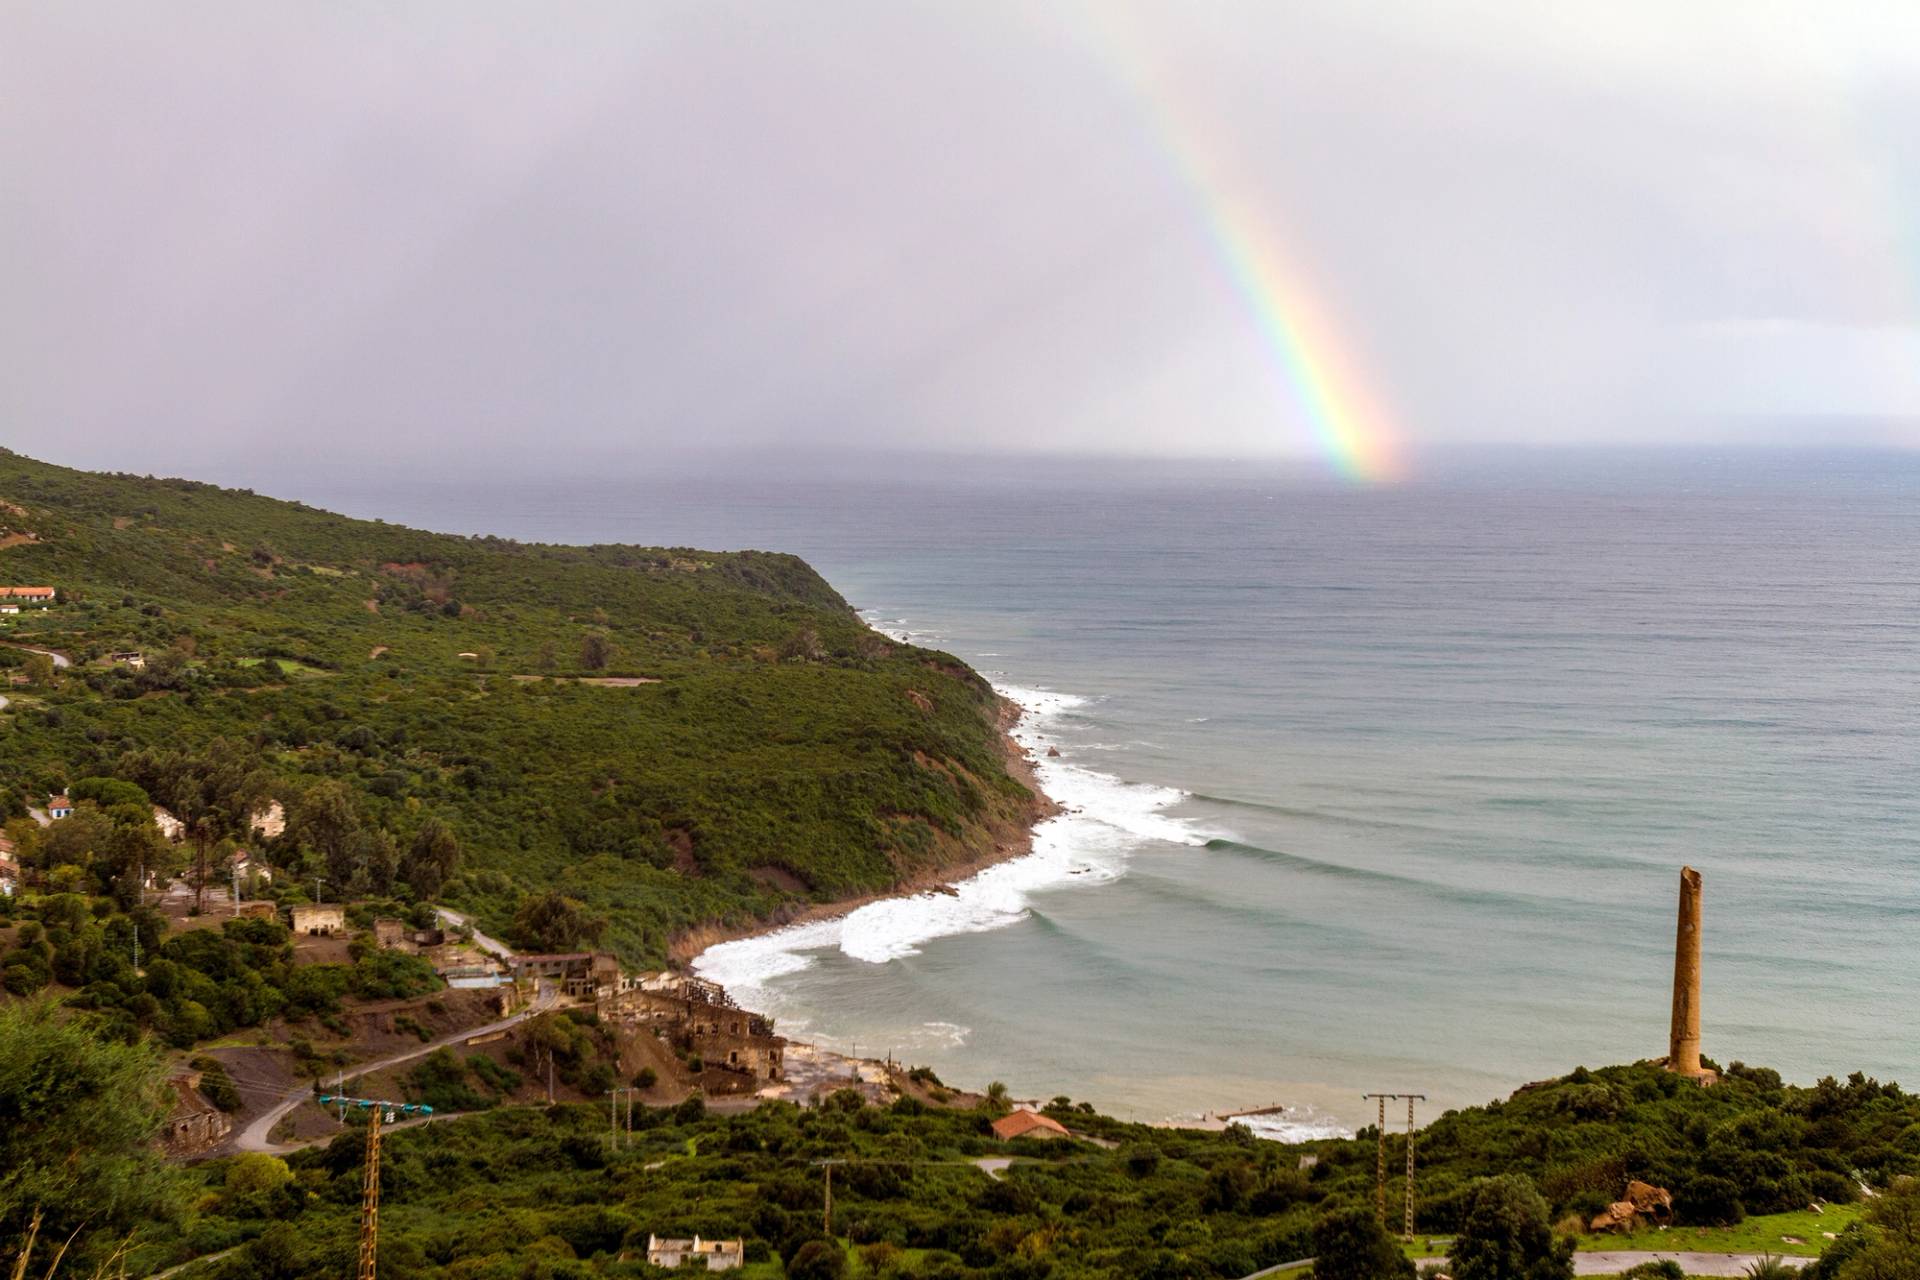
point(1375, 788)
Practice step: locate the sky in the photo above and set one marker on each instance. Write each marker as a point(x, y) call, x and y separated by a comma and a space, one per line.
point(573, 235)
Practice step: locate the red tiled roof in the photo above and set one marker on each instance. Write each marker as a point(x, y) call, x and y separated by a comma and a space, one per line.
point(28, 593)
point(1020, 1123)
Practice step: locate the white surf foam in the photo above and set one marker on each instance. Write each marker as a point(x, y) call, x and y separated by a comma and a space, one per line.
point(1104, 821)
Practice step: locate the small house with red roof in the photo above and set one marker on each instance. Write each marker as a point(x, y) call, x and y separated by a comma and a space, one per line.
point(59, 807)
point(1028, 1124)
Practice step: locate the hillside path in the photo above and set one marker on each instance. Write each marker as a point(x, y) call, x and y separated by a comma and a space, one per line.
point(454, 919)
point(254, 1136)
point(60, 660)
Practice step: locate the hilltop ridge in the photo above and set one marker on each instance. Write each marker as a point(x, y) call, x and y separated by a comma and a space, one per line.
point(683, 739)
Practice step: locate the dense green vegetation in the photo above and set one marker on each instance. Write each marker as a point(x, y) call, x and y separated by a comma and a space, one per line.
point(396, 681)
point(193, 985)
point(542, 1191)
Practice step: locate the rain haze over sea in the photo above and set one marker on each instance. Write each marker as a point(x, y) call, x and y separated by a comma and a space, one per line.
point(1365, 788)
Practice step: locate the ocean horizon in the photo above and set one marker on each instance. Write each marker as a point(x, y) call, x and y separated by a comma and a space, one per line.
point(1363, 789)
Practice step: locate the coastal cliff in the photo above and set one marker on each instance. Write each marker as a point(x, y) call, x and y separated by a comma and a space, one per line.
point(690, 744)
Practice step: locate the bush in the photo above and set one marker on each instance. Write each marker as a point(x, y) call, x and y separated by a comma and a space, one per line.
point(1662, 1269)
point(1709, 1201)
point(1352, 1245)
point(817, 1260)
point(1505, 1235)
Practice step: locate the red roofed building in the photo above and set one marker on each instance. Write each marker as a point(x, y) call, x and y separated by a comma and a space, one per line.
point(1028, 1124)
point(34, 595)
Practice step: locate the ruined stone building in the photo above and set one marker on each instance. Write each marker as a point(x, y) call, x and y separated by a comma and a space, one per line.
point(586, 975)
point(319, 919)
point(195, 1125)
point(697, 1017)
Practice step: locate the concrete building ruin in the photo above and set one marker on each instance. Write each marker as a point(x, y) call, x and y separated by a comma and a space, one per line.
point(584, 975)
point(320, 919)
point(195, 1124)
point(1683, 1044)
point(698, 1017)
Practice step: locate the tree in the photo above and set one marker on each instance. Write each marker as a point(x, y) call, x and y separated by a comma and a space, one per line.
point(817, 1260)
point(1891, 1250)
point(430, 859)
point(211, 791)
point(357, 859)
point(1352, 1245)
point(255, 1171)
point(1505, 1235)
point(77, 1114)
point(553, 922)
point(997, 1098)
point(39, 670)
point(595, 651)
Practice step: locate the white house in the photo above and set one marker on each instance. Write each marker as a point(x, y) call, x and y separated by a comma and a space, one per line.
point(59, 807)
point(9, 877)
point(719, 1255)
point(170, 827)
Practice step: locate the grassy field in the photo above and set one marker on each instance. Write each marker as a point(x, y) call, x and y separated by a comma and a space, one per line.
point(1764, 1233)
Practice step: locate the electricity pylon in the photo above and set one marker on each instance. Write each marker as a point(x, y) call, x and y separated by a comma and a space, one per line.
point(370, 1186)
point(1380, 1174)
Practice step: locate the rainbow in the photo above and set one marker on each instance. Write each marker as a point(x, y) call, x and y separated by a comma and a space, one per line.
point(1319, 370)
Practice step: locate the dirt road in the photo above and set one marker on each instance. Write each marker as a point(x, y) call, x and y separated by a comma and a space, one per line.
point(254, 1136)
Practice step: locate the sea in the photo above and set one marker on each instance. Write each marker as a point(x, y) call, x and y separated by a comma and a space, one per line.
point(1363, 789)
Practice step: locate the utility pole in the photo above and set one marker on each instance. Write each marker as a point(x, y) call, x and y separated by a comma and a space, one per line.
point(613, 1120)
point(235, 867)
point(370, 1184)
point(826, 1218)
point(370, 1200)
point(1380, 1167)
point(630, 1117)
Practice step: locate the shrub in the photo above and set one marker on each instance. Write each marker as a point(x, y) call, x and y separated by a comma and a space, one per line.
point(1352, 1245)
point(1505, 1235)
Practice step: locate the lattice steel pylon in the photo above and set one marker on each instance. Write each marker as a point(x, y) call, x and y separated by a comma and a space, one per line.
point(370, 1186)
point(370, 1199)
point(1380, 1171)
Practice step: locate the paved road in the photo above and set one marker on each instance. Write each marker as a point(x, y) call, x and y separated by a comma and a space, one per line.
point(1611, 1262)
point(453, 920)
point(254, 1136)
point(194, 1262)
point(60, 660)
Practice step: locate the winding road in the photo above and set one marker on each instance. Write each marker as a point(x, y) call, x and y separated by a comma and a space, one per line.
point(254, 1136)
point(454, 919)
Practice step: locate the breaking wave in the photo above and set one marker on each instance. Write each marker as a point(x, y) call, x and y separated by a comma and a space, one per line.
point(1103, 821)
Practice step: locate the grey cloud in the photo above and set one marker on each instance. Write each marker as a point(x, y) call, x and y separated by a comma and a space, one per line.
point(600, 231)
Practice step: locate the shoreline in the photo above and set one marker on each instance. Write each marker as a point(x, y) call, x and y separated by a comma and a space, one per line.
point(1010, 843)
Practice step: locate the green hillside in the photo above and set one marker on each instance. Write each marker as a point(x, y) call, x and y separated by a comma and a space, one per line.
point(750, 745)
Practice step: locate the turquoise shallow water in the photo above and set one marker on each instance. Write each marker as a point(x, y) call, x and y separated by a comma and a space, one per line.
point(1373, 789)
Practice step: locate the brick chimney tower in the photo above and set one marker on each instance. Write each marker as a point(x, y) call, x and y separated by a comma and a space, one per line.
point(1683, 1052)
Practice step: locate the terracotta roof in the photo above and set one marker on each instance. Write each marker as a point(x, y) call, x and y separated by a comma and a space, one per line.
point(1020, 1123)
point(26, 593)
point(59, 802)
